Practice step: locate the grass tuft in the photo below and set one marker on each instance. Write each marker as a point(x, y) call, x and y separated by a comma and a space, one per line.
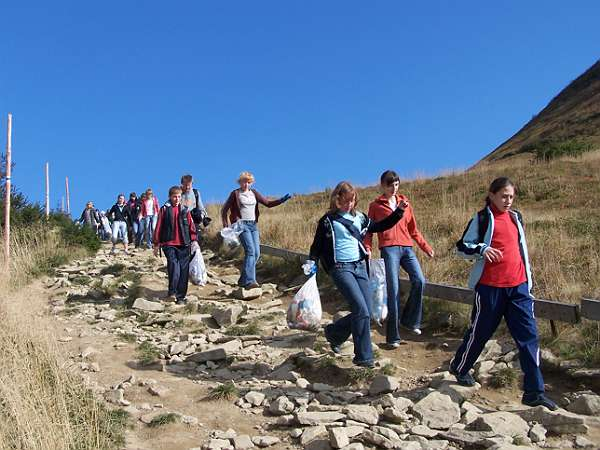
point(225, 391)
point(147, 353)
point(250, 329)
point(163, 419)
point(504, 378)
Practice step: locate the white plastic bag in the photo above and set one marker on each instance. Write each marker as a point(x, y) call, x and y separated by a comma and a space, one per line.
point(304, 313)
point(198, 274)
point(379, 309)
point(106, 226)
point(231, 235)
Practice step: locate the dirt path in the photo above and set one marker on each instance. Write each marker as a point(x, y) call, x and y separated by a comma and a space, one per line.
point(90, 302)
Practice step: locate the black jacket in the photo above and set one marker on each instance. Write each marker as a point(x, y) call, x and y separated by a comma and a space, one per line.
point(323, 246)
point(165, 224)
point(124, 215)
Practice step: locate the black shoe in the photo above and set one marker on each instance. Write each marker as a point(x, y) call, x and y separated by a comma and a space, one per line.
point(368, 364)
point(252, 285)
point(464, 380)
point(181, 301)
point(538, 399)
point(335, 348)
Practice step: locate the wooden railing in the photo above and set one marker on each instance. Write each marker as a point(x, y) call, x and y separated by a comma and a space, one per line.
point(544, 309)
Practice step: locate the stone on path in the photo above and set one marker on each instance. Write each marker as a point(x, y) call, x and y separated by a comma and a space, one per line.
point(588, 404)
point(248, 294)
point(382, 384)
point(157, 390)
point(265, 441)
point(362, 413)
point(281, 406)
point(254, 398)
point(338, 438)
point(537, 433)
point(318, 418)
point(242, 442)
point(116, 396)
point(558, 422)
point(215, 354)
point(227, 316)
point(145, 305)
point(311, 433)
point(217, 444)
point(501, 422)
point(437, 411)
point(377, 439)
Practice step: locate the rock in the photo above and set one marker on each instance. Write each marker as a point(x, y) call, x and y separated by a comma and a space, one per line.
point(354, 446)
point(230, 433)
point(228, 316)
point(318, 418)
point(437, 411)
point(190, 420)
point(265, 441)
point(583, 442)
point(87, 352)
point(232, 346)
point(466, 438)
point(409, 445)
point(109, 314)
point(320, 387)
point(457, 392)
point(254, 398)
point(587, 404)
point(318, 444)
point(248, 294)
point(395, 415)
point(377, 439)
point(281, 406)
point(338, 438)
point(178, 347)
point(469, 412)
point(537, 433)
point(422, 430)
point(116, 397)
point(145, 305)
point(435, 444)
point(158, 391)
point(215, 354)
point(501, 422)
point(387, 432)
point(491, 350)
point(242, 442)
point(362, 413)
point(558, 422)
point(383, 384)
point(311, 433)
point(216, 444)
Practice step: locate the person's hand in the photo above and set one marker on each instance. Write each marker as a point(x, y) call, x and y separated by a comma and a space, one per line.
point(309, 267)
point(403, 204)
point(368, 250)
point(195, 246)
point(492, 254)
point(285, 198)
point(155, 250)
point(430, 253)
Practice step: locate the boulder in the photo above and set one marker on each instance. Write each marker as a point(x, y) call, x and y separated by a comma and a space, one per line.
point(145, 305)
point(437, 411)
point(537, 433)
point(311, 433)
point(588, 404)
point(318, 418)
point(281, 406)
point(558, 422)
point(248, 294)
point(254, 398)
point(265, 441)
point(215, 354)
point(501, 422)
point(377, 439)
point(242, 442)
point(227, 316)
point(382, 384)
point(362, 413)
point(338, 437)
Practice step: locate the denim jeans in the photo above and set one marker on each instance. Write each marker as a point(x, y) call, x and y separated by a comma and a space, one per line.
point(178, 268)
point(135, 232)
point(352, 281)
point(119, 231)
point(410, 316)
point(250, 239)
point(148, 226)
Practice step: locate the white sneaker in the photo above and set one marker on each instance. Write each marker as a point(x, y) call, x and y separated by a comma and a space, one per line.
point(416, 331)
point(395, 345)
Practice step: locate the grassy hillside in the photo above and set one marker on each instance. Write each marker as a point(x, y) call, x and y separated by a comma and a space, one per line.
point(559, 201)
point(571, 120)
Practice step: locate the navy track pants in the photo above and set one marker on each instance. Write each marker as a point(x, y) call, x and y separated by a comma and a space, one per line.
point(515, 304)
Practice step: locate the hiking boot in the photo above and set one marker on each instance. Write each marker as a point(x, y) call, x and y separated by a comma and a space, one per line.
point(538, 399)
point(252, 285)
point(464, 380)
point(169, 298)
point(368, 364)
point(113, 251)
point(181, 301)
point(414, 330)
point(335, 348)
point(391, 345)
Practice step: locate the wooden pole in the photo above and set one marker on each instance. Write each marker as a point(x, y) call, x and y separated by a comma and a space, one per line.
point(47, 190)
point(62, 204)
point(68, 197)
point(7, 195)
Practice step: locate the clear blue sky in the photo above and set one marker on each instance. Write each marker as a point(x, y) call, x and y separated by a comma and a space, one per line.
point(124, 95)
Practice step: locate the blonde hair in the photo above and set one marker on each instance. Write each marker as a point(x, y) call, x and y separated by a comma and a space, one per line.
point(339, 192)
point(149, 192)
point(247, 176)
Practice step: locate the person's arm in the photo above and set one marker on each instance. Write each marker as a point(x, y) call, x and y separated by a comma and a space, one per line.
point(193, 232)
point(388, 222)
point(225, 210)
point(414, 232)
point(156, 236)
point(316, 247)
point(270, 203)
point(201, 207)
point(82, 218)
point(468, 246)
point(368, 240)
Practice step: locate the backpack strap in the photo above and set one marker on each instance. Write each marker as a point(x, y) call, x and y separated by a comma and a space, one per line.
point(483, 220)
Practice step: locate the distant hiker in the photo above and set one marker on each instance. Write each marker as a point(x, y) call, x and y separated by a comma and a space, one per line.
point(396, 247)
point(135, 207)
point(242, 204)
point(148, 216)
point(190, 198)
point(105, 229)
point(175, 233)
point(338, 245)
point(90, 217)
point(501, 278)
point(121, 218)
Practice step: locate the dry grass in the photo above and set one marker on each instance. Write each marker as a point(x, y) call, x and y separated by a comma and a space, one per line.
point(43, 405)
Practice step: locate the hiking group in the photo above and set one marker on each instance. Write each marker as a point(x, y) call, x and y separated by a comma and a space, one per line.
point(494, 238)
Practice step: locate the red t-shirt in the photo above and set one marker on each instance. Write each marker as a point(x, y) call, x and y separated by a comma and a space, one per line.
point(510, 271)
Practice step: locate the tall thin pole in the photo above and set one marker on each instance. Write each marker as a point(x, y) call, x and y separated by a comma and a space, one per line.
point(7, 195)
point(47, 189)
point(68, 198)
point(62, 204)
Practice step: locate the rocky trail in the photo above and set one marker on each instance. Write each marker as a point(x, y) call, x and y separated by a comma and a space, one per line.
point(225, 371)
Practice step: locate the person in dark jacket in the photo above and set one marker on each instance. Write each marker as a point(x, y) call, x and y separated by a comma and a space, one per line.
point(90, 217)
point(338, 245)
point(121, 218)
point(242, 205)
point(134, 206)
point(175, 233)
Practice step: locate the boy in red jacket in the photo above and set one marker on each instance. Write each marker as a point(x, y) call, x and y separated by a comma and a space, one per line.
point(396, 246)
point(175, 233)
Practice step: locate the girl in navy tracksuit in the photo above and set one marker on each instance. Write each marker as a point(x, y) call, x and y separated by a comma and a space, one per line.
point(501, 278)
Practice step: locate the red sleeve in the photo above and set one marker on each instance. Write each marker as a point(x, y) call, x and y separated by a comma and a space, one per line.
point(368, 241)
point(193, 233)
point(156, 236)
point(414, 232)
point(265, 201)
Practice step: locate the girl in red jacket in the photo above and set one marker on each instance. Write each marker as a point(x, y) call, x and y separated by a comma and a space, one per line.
point(396, 246)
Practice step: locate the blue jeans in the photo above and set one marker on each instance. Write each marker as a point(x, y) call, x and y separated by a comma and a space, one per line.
point(119, 231)
point(148, 226)
point(352, 281)
point(250, 239)
point(410, 316)
point(516, 306)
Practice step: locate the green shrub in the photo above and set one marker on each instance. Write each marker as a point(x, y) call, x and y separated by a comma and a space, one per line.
point(548, 150)
point(226, 391)
point(147, 353)
point(503, 378)
point(163, 419)
point(74, 235)
point(114, 269)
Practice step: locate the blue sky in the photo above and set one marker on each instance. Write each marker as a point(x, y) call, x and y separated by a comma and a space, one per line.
point(120, 96)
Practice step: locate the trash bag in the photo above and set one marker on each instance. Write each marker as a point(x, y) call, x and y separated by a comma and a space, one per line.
point(198, 274)
point(231, 235)
point(379, 309)
point(304, 313)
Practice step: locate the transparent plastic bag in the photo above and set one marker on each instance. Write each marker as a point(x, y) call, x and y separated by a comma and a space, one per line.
point(304, 313)
point(231, 235)
point(198, 273)
point(379, 309)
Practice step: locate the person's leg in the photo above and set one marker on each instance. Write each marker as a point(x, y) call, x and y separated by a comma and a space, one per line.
point(247, 240)
point(123, 227)
point(172, 268)
point(154, 221)
point(256, 243)
point(412, 313)
point(350, 281)
point(135, 226)
point(520, 319)
point(115, 235)
point(391, 259)
point(488, 309)
point(148, 231)
point(183, 260)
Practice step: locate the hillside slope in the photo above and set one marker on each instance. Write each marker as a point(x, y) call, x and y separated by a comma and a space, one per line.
point(574, 114)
